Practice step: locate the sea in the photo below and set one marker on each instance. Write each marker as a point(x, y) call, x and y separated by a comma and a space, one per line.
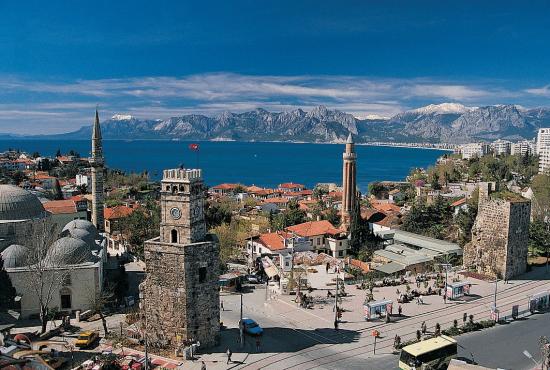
point(264, 164)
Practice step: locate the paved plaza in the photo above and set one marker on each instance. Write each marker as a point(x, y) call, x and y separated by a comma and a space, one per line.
point(298, 338)
point(305, 338)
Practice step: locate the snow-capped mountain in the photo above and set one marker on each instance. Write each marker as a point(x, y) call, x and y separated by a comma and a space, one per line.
point(447, 122)
point(444, 108)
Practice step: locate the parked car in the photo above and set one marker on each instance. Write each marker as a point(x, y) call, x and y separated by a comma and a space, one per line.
point(251, 327)
point(86, 338)
point(253, 279)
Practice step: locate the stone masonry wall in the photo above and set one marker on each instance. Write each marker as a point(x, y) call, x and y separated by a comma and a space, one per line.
point(499, 239)
point(178, 306)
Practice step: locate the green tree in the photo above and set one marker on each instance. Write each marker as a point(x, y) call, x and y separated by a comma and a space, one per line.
point(319, 191)
point(331, 215)
point(376, 189)
point(430, 220)
point(216, 213)
point(358, 230)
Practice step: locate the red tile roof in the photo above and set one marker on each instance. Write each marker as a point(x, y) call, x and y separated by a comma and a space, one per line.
point(253, 188)
point(290, 185)
point(274, 241)
point(58, 207)
point(313, 228)
point(112, 213)
point(385, 207)
point(276, 200)
point(458, 202)
point(225, 186)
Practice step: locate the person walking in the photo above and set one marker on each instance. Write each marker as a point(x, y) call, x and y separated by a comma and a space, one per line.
point(229, 353)
point(423, 327)
point(203, 365)
point(221, 305)
point(257, 344)
point(400, 310)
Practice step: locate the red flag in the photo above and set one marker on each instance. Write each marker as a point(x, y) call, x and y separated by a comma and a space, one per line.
point(194, 147)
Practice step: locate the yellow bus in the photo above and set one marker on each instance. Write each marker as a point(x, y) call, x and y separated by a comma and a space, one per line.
point(435, 353)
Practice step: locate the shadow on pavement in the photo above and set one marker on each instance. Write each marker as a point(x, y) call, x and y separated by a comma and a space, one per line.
point(282, 340)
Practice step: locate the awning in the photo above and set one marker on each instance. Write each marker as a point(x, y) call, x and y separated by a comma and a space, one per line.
point(390, 268)
point(271, 271)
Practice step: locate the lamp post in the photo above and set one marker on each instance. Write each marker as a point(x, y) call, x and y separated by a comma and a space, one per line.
point(241, 326)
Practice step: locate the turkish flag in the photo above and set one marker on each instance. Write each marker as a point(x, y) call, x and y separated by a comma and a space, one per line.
point(194, 147)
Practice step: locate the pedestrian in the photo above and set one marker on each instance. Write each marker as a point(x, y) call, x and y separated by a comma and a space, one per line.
point(257, 344)
point(420, 299)
point(423, 327)
point(444, 298)
point(203, 365)
point(221, 305)
point(400, 310)
point(335, 324)
point(229, 353)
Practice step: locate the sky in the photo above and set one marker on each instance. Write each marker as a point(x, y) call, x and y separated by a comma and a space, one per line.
point(157, 59)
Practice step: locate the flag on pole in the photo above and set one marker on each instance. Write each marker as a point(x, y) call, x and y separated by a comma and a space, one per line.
point(194, 147)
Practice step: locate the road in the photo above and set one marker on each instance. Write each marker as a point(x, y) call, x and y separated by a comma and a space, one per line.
point(503, 345)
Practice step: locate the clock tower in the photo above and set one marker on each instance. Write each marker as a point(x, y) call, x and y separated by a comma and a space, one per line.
point(182, 206)
point(180, 298)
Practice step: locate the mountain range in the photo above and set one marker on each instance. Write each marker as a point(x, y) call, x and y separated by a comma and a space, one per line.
point(442, 123)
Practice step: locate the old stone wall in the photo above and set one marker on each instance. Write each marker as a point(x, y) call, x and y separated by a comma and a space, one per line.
point(499, 239)
point(180, 301)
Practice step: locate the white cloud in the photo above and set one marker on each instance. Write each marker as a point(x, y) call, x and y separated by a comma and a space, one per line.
point(541, 91)
point(70, 103)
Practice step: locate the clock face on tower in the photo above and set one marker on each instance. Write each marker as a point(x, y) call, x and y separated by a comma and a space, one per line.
point(175, 213)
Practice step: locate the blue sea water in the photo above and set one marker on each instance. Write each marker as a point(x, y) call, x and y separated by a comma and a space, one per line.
point(262, 164)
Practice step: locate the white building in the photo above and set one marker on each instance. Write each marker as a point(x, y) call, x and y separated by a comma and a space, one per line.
point(543, 139)
point(522, 147)
point(502, 147)
point(544, 160)
point(82, 179)
point(474, 150)
point(279, 246)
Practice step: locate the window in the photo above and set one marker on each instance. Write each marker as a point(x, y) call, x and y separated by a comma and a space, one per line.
point(340, 253)
point(66, 280)
point(174, 236)
point(318, 241)
point(65, 301)
point(202, 274)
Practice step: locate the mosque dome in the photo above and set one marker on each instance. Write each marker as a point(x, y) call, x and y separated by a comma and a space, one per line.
point(68, 251)
point(81, 234)
point(19, 204)
point(83, 225)
point(15, 256)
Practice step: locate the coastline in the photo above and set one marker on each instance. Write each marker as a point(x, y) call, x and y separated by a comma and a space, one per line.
point(431, 146)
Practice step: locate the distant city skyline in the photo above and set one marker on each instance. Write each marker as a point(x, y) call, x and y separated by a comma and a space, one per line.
point(364, 58)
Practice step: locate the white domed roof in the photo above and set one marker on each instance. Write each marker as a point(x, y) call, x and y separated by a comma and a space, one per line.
point(15, 256)
point(19, 204)
point(83, 225)
point(81, 234)
point(68, 251)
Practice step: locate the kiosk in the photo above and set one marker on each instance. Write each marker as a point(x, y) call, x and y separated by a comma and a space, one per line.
point(457, 290)
point(539, 301)
point(377, 309)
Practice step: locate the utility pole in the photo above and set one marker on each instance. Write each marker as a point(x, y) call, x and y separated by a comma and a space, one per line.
point(145, 332)
point(336, 302)
point(495, 299)
point(241, 327)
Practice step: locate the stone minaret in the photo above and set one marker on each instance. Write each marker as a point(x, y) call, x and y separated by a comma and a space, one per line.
point(97, 176)
point(348, 183)
point(180, 295)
